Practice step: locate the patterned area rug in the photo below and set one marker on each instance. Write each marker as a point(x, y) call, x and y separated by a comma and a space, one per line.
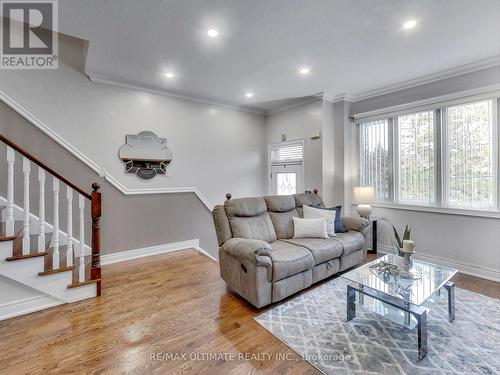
point(314, 325)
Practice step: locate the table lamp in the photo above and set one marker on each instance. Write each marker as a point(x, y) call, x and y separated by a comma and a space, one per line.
point(364, 196)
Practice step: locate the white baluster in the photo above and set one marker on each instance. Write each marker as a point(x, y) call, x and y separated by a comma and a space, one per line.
point(69, 242)
point(26, 206)
point(55, 234)
point(9, 225)
point(41, 210)
point(81, 269)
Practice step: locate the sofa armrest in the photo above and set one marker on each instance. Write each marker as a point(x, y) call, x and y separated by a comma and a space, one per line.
point(247, 250)
point(355, 223)
point(250, 251)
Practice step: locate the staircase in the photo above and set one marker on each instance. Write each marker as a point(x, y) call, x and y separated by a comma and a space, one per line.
point(38, 253)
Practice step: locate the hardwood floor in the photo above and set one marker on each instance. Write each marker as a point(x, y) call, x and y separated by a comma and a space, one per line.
point(173, 303)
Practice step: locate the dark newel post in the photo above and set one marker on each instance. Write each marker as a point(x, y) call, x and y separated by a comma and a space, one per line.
point(95, 271)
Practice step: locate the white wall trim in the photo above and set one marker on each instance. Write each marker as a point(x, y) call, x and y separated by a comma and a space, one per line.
point(204, 253)
point(92, 165)
point(492, 90)
point(27, 305)
point(115, 81)
point(45, 129)
point(429, 78)
point(144, 191)
point(468, 269)
point(152, 250)
point(437, 210)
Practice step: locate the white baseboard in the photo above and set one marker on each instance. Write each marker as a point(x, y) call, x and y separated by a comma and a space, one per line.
point(205, 253)
point(468, 269)
point(153, 250)
point(28, 305)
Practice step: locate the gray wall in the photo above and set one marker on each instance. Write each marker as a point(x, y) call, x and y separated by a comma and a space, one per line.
point(300, 122)
point(215, 149)
point(128, 222)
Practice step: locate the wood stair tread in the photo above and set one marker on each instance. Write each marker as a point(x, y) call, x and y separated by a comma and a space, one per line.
point(86, 282)
point(17, 248)
point(28, 256)
point(58, 270)
point(18, 228)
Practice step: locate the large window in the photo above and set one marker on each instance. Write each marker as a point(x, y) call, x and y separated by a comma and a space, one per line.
point(471, 155)
point(416, 158)
point(445, 156)
point(374, 157)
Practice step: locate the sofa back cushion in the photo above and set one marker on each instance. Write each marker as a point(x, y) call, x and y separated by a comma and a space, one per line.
point(282, 210)
point(248, 218)
point(307, 199)
point(222, 228)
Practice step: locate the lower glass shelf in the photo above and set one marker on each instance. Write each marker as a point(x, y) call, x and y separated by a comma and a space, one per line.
point(387, 311)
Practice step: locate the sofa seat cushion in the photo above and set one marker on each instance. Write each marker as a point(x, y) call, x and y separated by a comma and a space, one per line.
point(288, 259)
point(322, 249)
point(351, 241)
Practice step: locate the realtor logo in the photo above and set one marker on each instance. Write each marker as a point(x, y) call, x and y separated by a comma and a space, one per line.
point(29, 34)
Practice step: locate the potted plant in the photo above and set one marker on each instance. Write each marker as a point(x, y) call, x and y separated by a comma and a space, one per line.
point(404, 243)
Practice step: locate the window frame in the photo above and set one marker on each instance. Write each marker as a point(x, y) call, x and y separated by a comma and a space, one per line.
point(440, 157)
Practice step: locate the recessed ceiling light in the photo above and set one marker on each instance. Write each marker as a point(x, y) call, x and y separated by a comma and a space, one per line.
point(169, 75)
point(410, 24)
point(249, 94)
point(304, 70)
point(212, 33)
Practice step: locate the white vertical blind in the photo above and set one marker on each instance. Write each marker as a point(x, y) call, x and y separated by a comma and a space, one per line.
point(374, 157)
point(471, 155)
point(416, 158)
point(289, 153)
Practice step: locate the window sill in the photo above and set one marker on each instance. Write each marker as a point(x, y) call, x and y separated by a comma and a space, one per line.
point(438, 210)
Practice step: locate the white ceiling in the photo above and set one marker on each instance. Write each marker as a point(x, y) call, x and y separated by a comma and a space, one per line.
point(350, 46)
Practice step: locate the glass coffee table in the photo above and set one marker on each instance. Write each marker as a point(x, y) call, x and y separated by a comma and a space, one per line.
point(397, 290)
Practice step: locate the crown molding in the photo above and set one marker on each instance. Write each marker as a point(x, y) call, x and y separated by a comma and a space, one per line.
point(309, 100)
point(491, 90)
point(90, 163)
point(342, 98)
point(115, 81)
point(429, 78)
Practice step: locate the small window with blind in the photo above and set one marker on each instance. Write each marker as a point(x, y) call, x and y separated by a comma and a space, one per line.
point(289, 153)
point(416, 158)
point(374, 157)
point(286, 161)
point(471, 156)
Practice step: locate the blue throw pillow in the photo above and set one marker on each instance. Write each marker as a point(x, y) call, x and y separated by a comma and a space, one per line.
point(339, 226)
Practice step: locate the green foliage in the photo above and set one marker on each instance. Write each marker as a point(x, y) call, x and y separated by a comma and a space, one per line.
point(406, 236)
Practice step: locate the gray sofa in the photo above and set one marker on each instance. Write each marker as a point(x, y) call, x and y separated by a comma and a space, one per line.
point(261, 261)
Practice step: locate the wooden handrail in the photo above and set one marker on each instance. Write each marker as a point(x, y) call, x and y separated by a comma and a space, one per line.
point(44, 166)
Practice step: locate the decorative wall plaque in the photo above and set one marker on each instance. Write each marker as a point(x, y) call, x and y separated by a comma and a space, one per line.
point(145, 154)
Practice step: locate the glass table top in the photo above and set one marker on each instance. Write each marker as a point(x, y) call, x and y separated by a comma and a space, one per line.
point(416, 285)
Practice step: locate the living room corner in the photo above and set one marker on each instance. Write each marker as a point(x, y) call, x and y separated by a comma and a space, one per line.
point(218, 187)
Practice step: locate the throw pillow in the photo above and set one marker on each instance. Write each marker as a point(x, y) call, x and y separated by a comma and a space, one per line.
point(315, 228)
point(339, 225)
point(317, 213)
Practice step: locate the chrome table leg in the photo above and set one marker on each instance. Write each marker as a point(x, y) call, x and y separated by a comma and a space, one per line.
point(450, 288)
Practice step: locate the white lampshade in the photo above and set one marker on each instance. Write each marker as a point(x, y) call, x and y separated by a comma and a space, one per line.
point(364, 194)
